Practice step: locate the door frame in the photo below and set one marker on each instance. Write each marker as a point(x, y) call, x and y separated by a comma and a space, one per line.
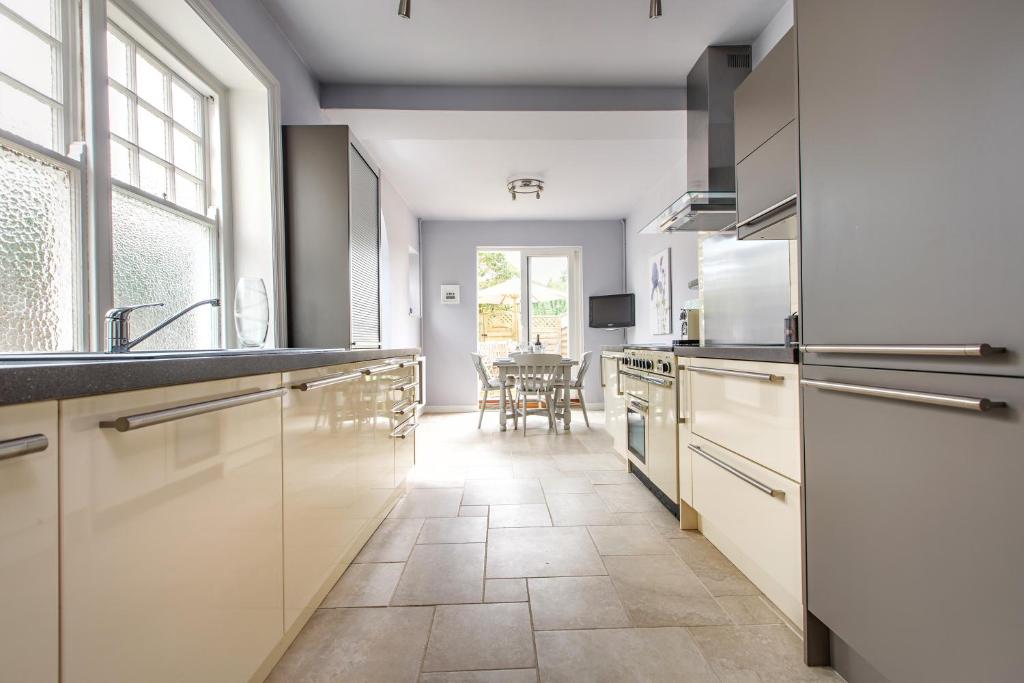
point(575, 294)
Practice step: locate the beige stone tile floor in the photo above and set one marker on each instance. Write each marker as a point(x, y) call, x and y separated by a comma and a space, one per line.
point(515, 560)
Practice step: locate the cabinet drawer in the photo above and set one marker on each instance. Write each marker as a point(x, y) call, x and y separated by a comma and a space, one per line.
point(750, 408)
point(171, 536)
point(923, 579)
point(28, 542)
point(757, 530)
point(766, 99)
point(766, 182)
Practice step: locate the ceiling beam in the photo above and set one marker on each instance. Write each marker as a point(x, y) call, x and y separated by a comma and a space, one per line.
point(501, 98)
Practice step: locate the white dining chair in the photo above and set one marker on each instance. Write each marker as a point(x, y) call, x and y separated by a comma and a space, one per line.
point(540, 376)
point(577, 385)
point(489, 384)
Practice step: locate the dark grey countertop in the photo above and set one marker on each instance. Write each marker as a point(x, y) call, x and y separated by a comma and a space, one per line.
point(61, 376)
point(767, 354)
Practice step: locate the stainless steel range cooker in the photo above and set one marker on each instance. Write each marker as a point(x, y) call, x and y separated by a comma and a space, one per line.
point(648, 380)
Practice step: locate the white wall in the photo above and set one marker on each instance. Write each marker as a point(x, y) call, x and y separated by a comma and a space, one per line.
point(640, 249)
point(449, 257)
point(400, 233)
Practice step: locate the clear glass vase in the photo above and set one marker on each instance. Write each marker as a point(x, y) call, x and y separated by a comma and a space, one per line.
point(252, 312)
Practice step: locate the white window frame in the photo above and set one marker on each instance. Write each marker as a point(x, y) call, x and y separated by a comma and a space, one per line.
point(140, 35)
point(67, 151)
point(86, 137)
point(202, 139)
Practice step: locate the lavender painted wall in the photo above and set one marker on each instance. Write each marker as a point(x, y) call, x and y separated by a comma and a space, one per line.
point(300, 93)
point(449, 257)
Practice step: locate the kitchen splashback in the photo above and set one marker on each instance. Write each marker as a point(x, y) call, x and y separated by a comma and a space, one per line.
point(746, 289)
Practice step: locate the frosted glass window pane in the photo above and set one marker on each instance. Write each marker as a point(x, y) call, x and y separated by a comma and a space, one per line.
point(117, 59)
point(152, 176)
point(120, 114)
point(120, 162)
point(186, 153)
point(27, 58)
point(37, 12)
point(28, 117)
point(152, 133)
point(161, 256)
point(37, 262)
point(186, 193)
point(150, 83)
point(186, 107)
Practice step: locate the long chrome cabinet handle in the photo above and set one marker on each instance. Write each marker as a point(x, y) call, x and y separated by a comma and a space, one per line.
point(404, 386)
point(131, 422)
point(25, 445)
point(760, 486)
point(970, 350)
point(402, 407)
point(328, 381)
point(774, 208)
point(421, 395)
point(963, 402)
point(659, 382)
point(377, 369)
point(759, 376)
point(405, 429)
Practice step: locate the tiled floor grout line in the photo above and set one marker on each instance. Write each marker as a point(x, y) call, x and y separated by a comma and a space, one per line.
point(494, 452)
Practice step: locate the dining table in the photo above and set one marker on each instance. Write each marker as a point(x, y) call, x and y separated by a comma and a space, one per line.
point(506, 368)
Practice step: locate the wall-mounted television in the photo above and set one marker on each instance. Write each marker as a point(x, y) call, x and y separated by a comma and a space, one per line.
point(610, 311)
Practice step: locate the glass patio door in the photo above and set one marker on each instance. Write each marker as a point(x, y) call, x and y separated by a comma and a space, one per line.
point(547, 316)
point(525, 293)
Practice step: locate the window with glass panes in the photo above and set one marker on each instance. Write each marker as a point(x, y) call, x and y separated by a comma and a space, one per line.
point(159, 143)
point(40, 202)
point(158, 139)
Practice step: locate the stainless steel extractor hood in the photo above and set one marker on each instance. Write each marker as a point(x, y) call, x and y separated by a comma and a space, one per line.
point(709, 202)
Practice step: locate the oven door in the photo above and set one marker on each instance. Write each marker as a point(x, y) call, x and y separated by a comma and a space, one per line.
point(633, 384)
point(636, 429)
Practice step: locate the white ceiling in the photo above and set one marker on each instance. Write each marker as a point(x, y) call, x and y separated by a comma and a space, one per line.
point(454, 165)
point(524, 42)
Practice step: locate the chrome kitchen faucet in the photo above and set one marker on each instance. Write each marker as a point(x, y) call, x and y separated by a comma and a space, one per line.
point(118, 330)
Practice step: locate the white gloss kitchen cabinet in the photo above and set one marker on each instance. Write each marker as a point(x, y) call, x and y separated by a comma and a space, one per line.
point(29, 543)
point(742, 461)
point(348, 445)
point(614, 401)
point(172, 532)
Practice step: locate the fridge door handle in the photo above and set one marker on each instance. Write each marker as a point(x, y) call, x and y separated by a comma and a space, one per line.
point(980, 405)
point(969, 350)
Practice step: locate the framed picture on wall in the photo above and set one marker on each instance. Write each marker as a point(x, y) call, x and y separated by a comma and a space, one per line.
point(661, 292)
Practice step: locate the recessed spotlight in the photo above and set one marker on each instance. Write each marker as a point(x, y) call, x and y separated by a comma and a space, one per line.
point(404, 8)
point(655, 9)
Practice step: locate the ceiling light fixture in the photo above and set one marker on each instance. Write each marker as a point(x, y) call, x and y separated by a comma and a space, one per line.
point(404, 8)
point(518, 186)
point(655, 9)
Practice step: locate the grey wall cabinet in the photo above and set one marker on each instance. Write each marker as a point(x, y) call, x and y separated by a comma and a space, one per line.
point(911, 206)
point(766, 100)
point(914, 545)
point(333, 239)
point(766, 146)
